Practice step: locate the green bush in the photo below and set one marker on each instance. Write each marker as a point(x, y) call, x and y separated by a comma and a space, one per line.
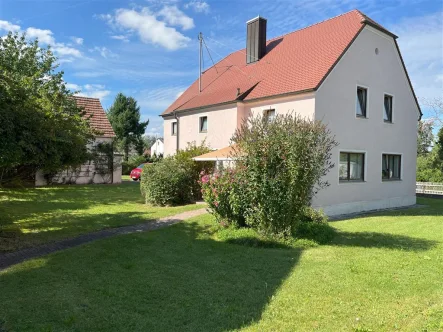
point(195, 168)
point(429, 169)
point(313, 225)
point(166, 183)
point(222, 192)
point(280, 165)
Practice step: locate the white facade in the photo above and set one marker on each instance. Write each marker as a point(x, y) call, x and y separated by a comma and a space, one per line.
point(372, 62)
point(86, 173)
point(158, 148)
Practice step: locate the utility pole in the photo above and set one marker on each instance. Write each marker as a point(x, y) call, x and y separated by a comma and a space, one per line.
point(200, 39)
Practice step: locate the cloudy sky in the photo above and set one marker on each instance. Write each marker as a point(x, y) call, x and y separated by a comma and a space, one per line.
point(148, 48)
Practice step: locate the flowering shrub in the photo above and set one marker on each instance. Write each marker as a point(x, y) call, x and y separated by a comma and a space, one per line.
point(280, 165)
point(221, 191)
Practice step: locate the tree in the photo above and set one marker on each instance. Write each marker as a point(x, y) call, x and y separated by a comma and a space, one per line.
point(425, 137)
point(124, 116)
point(435, 107)
point(41, 126)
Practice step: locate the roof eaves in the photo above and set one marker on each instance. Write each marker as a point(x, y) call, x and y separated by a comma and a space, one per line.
point(177, 111)
point(379, 27)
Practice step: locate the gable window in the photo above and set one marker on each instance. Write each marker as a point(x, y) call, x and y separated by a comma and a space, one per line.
point(174, 129)
point(391, 167)
point(352, 166)
point(388, 108)
point(362, 102)
point(204, 124)
point(269, 115)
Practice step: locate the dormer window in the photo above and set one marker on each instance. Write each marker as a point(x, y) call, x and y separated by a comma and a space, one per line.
point(362, 102)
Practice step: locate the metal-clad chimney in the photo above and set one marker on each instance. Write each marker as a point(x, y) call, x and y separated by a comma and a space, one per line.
point(255, 39)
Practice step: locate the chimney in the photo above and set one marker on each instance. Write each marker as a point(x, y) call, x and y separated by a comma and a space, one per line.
point(255, 39)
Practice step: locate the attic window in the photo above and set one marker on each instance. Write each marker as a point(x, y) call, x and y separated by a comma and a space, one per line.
point(362, 98)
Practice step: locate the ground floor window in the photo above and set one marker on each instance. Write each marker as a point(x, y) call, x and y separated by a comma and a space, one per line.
point(391, 167)
point(352, 166)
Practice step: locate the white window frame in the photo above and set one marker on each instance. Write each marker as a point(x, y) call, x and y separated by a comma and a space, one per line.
point(367, 101)
point(401, 166)
point(200, 124)
point(393, 107)
point(365, 167)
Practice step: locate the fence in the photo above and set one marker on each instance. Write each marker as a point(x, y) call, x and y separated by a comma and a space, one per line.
point(429, 188)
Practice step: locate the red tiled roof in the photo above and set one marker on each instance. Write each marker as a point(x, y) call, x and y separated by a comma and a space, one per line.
point(295, 62)
point(96, 115)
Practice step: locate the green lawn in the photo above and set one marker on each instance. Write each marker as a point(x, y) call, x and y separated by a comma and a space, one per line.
point(383, 272)
point(37, 215)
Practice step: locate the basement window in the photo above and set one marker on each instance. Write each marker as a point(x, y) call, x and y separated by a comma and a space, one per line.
point(204, 124)
point(174, 129)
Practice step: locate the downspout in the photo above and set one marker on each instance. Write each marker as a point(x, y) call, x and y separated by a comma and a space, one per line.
point(178, 132)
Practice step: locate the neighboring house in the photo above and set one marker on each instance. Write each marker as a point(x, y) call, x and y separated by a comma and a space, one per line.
point(158, 148)
point(347, 72)
point(89, 173)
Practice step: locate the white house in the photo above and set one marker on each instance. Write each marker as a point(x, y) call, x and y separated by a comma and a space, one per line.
point(347, 72)
point(158, 148)
point(89, 172)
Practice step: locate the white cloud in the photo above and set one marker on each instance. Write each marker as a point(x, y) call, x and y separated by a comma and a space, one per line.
point(121, 37)
point(63, 50)
point(89, 90)
point(176, 17)
point(77, 40)
point(43, 36)
point(8, 26)
point(149, 28)
point(198, 6)
point(104, 52)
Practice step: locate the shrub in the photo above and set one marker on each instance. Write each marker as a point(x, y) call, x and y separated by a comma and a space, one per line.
point(195, 168)
point(166, 182)
point(280, 165)
point(313, 225)
point(222, 192)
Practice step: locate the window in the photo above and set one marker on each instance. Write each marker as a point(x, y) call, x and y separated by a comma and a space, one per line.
point(352, 166)
point(174, 129)
point(270, 115)
point(362, 98)
point(388, 108)
point(391, 167)
point(203, 124)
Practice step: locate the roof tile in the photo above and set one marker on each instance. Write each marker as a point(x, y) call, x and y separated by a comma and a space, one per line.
point(96, 115)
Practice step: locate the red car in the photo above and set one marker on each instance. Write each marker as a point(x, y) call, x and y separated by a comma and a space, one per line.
point(136, 173)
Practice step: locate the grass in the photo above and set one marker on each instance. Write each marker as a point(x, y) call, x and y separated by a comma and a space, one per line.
point(33, 216)
point(381, 272)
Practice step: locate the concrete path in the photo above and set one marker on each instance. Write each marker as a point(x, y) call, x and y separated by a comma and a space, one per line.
point(11, 258)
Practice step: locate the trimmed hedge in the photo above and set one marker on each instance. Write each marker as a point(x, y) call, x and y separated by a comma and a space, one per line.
point(166, 182)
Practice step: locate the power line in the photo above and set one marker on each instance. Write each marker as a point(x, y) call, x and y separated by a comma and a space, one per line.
point(207, 49)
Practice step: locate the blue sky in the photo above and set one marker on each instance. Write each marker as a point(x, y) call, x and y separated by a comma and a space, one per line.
point(148, 49)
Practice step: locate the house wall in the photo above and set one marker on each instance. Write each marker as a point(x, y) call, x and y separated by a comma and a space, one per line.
point(300, 104)
point(335, 105)
point(157, 148)
point(86, 174)
point(222, 122)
